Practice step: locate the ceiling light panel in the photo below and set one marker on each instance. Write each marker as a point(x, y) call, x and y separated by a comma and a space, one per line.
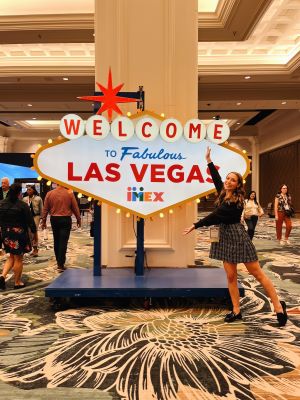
point(274, 41)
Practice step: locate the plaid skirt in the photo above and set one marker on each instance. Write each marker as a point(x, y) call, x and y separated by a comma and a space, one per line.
point(234, 246)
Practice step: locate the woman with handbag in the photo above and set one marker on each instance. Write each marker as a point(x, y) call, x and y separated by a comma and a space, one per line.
point(283, 212)
point(252, 210)
point(233, 244)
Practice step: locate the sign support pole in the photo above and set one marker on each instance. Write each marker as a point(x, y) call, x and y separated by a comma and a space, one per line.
point(97, 240)
point(139, 259)
point(140, 252)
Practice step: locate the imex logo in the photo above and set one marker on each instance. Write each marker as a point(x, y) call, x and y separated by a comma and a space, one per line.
point(134, 194)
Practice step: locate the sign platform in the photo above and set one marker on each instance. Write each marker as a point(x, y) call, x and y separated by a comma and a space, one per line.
point(156, 282)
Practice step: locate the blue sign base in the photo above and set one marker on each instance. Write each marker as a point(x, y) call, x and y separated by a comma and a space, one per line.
point(156, 282)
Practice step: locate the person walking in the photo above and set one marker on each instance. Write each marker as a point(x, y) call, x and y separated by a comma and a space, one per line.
point(35, 203)
point(234, 245)
point(15, 220)
point(283, 213)
point(3, 193)
point(252, 210)
point(4, 188)
point(60, 203)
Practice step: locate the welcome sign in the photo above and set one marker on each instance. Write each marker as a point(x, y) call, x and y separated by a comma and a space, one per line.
point(140, 176)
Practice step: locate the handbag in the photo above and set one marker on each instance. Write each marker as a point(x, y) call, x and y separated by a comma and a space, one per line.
point(289, 212)
point(214, 234)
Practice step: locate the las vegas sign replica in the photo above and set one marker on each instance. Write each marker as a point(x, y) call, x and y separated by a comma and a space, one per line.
point(144, 163)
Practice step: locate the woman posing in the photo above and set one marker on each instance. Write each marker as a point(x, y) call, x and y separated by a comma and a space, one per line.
point(35, 203)
point(282, 209)
point(252, 210)
point(15, 220)
point(234, 245)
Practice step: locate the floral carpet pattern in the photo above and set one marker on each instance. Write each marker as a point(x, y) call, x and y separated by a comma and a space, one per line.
point(179, 349)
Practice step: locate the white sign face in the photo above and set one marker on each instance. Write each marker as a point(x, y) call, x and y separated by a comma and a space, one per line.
point(142, 177)
point(71, 126)
point(218, 131)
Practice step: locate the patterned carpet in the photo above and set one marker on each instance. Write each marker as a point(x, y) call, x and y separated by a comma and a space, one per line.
point(179, 349)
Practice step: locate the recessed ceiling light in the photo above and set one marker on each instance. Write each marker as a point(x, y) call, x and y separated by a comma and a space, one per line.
point(93, 34)
point(29, 105)
point(15, 124)
point(238, 104)
point(238, 123)
point(34, 118)
point(247, 77)
point(65, 79)
point(283, 102)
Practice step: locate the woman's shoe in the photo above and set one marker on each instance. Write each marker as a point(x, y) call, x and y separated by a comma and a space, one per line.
point(232, 316)
point(19, 286)
point(34, 253)
point(2, 283)
point(282, 316)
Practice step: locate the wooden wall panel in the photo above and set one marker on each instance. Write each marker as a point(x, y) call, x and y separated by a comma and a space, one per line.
point(280, 166)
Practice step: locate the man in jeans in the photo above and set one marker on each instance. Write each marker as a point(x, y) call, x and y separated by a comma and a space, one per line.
point(60, 203)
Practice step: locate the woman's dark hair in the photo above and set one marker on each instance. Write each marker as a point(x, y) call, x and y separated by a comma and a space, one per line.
point(255, 199)
point(287, 192)
point(35, 192)
point(14, 192)
point(237, 196)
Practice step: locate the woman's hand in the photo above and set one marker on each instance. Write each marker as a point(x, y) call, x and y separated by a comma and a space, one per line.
point(188, 230)
point(207, 155)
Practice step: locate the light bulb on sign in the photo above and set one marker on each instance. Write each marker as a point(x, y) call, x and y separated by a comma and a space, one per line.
point(50, 141)
point(161, 215)
point(171, 211)
point(128, 215)
point(198, 201)
point(39, 178)
point(89, 199)
point(79, 195)
point(118, 211)
point(48, 183)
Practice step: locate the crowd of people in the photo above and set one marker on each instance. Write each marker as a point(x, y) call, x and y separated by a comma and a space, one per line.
point(22, 216)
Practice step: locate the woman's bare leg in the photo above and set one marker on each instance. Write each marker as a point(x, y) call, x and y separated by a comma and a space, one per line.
point(8, 265)
point(18, 269)
point(255, 270)
point(231, 272)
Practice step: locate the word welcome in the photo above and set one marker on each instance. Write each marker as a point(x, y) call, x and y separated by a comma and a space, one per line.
point(146, 129)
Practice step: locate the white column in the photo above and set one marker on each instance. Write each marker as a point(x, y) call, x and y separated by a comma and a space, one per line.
point(154, 44)
point(4, 144)
point(255, 164)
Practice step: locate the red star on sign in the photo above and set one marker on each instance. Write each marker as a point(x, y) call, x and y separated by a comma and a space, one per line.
point(109, 99)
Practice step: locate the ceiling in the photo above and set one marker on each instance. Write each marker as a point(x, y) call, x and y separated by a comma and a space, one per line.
point(46, 53)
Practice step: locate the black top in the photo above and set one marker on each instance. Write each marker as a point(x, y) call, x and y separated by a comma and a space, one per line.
point(225, 213)
point(16, 214)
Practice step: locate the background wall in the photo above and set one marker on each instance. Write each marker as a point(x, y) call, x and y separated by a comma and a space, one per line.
point(281, 165)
